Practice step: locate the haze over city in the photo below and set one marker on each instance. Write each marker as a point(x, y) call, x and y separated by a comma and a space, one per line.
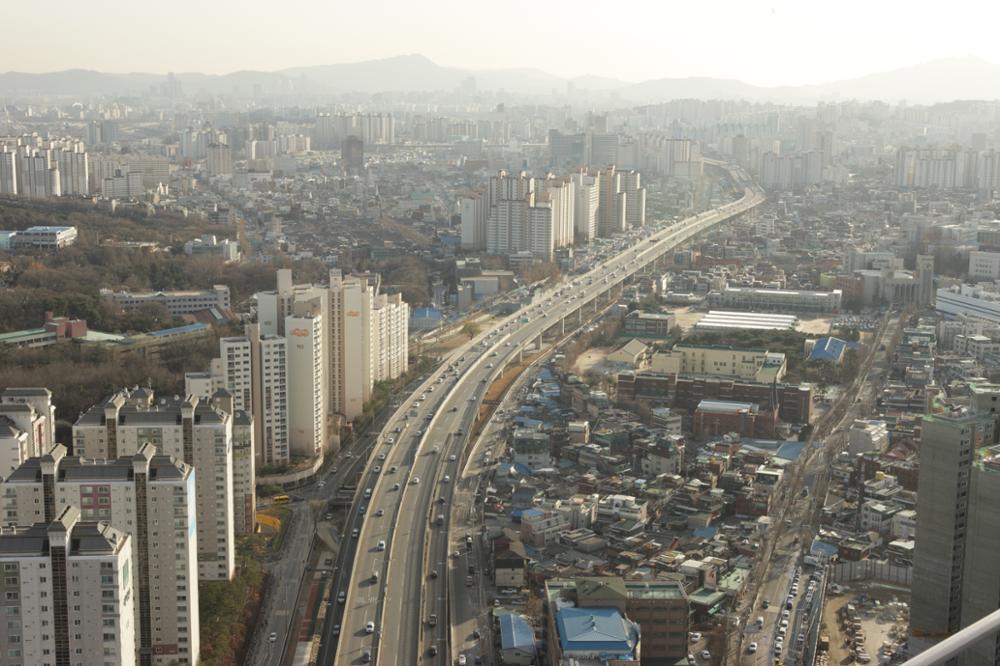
point(522, 334)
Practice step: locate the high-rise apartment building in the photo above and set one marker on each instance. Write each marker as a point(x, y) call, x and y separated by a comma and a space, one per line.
point(152, 499)
point(635, 198)
point(8, 170)
point(474, 209)
point(981, 572)
point(219, 160)
point(612, 209)
point(306, 377)
point(67, 594)
point(192, 430)
point(947, 446)
point(27, 426)
point(588, 193)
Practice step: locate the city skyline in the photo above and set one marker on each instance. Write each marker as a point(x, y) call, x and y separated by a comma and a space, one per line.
point(753, 45)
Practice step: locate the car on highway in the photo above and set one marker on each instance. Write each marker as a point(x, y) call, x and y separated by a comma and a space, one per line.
point(370, 627)
point(695, 636)
point(380, 513)
point(336, 630)
point(376, 469)
point(415, 480)
point(752, 648)
point(446, 479)
point(381, 456)
point(380, 546)
point(452, 457)
point(354, 533)
point(273, 637)
point(462, 661)
point(366, 656)
point(341, 597)
point(432, 620)
point(395, 486)
point(392, 470)
point(433, 651)
point(706, 655)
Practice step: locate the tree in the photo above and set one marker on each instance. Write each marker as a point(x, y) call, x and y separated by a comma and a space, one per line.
point(471, 329)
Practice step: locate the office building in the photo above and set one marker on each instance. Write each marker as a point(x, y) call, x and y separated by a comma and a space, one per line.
point(968, 301)
point(151, 498)
point(758, 365)
point(984, 265)
point(177, 302)
point(68, 594)
point(191, 430)
point(27, 426)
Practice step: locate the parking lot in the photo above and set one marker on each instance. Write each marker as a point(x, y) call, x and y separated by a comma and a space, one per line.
point(865, 625)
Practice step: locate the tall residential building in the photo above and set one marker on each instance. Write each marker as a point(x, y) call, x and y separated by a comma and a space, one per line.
point(351, 303)
point(306, 375)
point(474, 209)
point(612, 212)
point(352, 154)
point(67, 594)
point(981, 584)
point(635, 198)
point(946, 448)
point(191, 430)
point(73, 162)
point(601, 149)
point(390, 336)
point(8, 170)
point(27, 426)
point(587, 189)
point(152, 499)
point(220, 160)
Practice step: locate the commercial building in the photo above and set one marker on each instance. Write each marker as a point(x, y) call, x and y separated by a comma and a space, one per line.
point(517, 640)
point(177, 302)
point(776, 299)
point(969, 301)
point(68, 593)
point(152, 499)
point(757, 365)
point(208, 245)
point(865, 436)
point(531, 448)
point(593, 636)
point(191, 430)
point(793, 401)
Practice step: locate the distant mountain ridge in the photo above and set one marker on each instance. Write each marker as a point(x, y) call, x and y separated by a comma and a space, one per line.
point(935, 81)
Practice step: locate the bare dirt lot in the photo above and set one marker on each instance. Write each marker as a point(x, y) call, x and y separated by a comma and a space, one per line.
point(880, 624)
point(817, 326)
point(590, 359)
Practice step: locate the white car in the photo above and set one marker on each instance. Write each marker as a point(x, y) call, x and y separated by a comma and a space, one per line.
point(380, 546)
point(695, 636)
point(370, 628)
point(415, 480)
point(752, 648)
point(452, 458)
point(706, 655)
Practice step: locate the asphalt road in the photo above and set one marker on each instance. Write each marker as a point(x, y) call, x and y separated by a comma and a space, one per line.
point(400, 602)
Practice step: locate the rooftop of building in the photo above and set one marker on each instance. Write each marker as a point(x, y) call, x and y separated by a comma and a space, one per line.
point(726, 406)
point(596, 629)
point(516, 632)
point(86, 538)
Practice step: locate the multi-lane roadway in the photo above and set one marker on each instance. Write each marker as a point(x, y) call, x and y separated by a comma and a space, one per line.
point(394, 608)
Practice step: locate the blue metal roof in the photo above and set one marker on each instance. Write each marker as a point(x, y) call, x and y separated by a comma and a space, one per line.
point(596, 630)
point(178, 330)
point(828, 349)
point(515, 632)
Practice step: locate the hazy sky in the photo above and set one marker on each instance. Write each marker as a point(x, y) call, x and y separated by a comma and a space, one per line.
point(762, 42)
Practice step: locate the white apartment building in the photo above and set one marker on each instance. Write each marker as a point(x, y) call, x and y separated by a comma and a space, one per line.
point(27, 426)
point(984, 265)
point(151, 498)
point(611, 508)
point(190, 430)
point(390, 336)
point(635, 198)
point(351, 303)
point(8, 170)
point(304, 336)
point(177, 302)
point(68, 594)
point(587, 192)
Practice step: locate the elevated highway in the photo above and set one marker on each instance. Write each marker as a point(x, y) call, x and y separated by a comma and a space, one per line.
point(394, 573)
